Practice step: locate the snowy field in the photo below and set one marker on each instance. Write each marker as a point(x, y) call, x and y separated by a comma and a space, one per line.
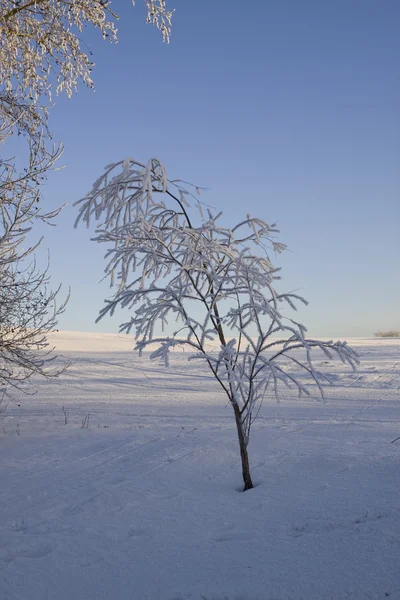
point(136, 496)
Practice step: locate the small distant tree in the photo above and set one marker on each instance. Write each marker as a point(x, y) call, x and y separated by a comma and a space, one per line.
point(216, 282)
point(392, 333)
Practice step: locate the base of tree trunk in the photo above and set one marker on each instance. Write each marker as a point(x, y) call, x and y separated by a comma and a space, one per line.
point(248, 484)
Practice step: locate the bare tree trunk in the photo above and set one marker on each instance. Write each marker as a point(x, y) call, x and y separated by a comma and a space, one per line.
point(248, 484)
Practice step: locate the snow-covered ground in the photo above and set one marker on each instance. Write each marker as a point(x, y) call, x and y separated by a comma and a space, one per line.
point(144, 502)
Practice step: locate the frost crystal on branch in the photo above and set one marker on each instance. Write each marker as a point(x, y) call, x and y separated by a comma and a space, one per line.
point(169, 264)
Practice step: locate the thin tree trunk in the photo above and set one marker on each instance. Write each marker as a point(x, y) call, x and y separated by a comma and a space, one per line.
point(248, 484)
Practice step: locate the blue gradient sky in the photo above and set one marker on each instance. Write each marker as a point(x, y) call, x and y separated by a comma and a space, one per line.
point(288, 110)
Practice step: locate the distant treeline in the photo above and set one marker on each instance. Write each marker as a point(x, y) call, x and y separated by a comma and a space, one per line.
point(387, 334)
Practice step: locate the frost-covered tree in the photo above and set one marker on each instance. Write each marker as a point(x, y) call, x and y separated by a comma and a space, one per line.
point(28, 308)
point(41, 50)
point(215, 282)
point(42, 38)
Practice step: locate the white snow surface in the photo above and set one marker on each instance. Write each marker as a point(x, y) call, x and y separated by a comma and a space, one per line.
point(145, 503)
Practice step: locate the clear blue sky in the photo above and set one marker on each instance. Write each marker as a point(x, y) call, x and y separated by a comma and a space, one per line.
point(289, 110)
